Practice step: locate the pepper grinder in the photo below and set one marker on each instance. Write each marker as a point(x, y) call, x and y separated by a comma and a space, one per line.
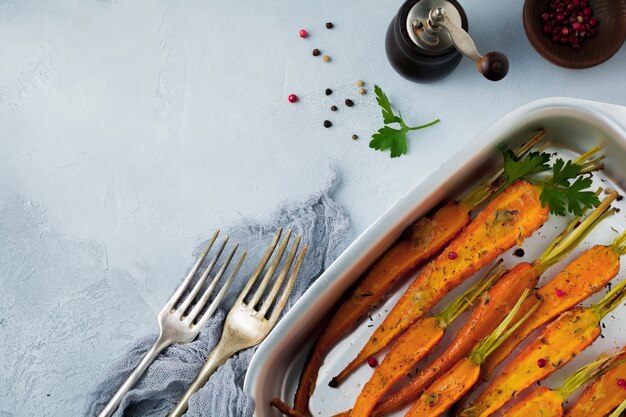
point(426, 40)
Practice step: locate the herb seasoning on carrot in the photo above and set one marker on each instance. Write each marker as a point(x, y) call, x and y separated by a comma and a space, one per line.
point(558, 344)
point(416, 343)
point(546, 402)
point(495, 304)
point(422, 240)
point(584, 276)
point(458, 380)
point(603, 395)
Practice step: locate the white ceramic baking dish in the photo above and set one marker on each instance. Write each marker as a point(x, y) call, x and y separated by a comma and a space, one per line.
point(573, 125)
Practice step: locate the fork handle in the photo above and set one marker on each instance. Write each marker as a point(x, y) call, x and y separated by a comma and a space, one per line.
point(134, 376)
point(216, 358)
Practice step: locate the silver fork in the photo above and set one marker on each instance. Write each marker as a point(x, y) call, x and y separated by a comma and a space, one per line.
point(246, 325)
point(176, 323)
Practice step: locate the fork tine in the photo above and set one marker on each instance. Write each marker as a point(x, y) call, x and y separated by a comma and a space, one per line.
point(288, 287)
point(259, 268)
point(221, 294)
point(270, 271)
point(183, 286)
point(196, 288)
point(279, 280)
point(199, 305)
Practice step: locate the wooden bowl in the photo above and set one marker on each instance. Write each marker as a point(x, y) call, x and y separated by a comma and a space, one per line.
point(610, 36)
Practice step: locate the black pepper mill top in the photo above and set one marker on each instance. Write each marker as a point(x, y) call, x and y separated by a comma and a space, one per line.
point(427, 38)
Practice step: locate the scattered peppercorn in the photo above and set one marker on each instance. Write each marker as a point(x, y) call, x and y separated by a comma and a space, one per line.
point(620, 197)
point(560, 293)
point(316, 52)
point(359, 83)
point(329, 25)
point(328, 91)
point(303, 33)
point(327, 123)
point(355, 137)
point(542, 362)
point(452, 255)
point(372, 362)
point(349, 102)
point(326, 58)
point(292, 98)
point(333, 108)
point(362, 91)
point(519, 252)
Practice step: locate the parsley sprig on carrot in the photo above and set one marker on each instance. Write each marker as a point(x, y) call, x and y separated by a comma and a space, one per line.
point(510, 217)
point(422, 240)
point(494, 305)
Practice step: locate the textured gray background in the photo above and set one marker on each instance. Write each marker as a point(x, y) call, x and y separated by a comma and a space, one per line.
point(129, 129)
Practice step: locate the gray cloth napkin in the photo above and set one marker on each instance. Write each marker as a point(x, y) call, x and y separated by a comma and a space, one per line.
point(323, 224)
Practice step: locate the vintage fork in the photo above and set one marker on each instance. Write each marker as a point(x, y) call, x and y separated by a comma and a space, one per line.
point(179, 322)
point(246, 325)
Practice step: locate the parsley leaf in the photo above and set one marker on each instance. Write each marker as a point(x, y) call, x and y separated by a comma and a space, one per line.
point(390, 138)
point(557, 190)
point(561, 195)
point(515, 168)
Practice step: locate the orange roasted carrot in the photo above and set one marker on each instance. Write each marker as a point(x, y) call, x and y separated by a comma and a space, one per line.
point(584, 276)
point(495, 304)
point(424, 239)
point(415, 343)
point(509, 218)
point(558, 344)
point(603, 395)
point(546, 402)
point(619, 411)
point(458, 380)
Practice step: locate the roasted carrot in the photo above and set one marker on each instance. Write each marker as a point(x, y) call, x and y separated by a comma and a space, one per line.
point(458, 380)
point(285, 410)
point(415, 343)
point(509, 218)
point(546, 402)
point(620, 411)
point(584, 276)
point(422, 240)
point(495, 304)
point(602, 395)
point(557, 344)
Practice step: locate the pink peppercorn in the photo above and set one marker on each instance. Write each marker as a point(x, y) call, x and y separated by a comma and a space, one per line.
point(292, 98)
point(452, 255)
point(560, 293)
point(621, 382)
point(303, 33)
point(542, 362)
point(372, 362)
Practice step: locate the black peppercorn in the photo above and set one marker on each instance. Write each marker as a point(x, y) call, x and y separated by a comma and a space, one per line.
point(333, 108)
point(355, 137)
point(329, 25)
point(328, 91)
point(519, 252)
point(327, 123)
point(349, 102)
point(316, 52)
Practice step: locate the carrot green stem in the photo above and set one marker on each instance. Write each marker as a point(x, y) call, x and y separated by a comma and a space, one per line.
point(481, 193)
point(619, 410)
point(619, 245)
point(467, 298)
point(587, 373)
point(574, 233)
point(610, 301)
point(482, 350)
